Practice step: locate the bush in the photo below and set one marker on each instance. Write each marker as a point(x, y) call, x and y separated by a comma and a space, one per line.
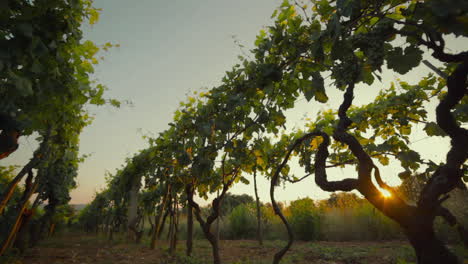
point(376, 225)
point(360, 222)
point(273, 228)
point(197, 231)
point(242, 222)
point(304, 219)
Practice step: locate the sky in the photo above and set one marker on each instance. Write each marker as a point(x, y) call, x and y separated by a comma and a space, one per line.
point(169, 49)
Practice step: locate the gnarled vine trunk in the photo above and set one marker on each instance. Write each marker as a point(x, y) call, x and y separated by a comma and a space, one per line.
point(132, 212)
point(39, 155)
point(157, 217)
point(206, 225)
point(174, 227)
point(189, 242)
point(21, 237)
point(22, 215)
point(259, 216)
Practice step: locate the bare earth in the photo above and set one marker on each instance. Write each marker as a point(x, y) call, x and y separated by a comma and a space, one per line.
point(88, 249)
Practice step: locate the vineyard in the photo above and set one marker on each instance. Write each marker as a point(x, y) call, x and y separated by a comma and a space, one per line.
point(172, 201)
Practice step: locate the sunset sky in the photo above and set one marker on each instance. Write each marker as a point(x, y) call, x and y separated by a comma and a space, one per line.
point(171, 48)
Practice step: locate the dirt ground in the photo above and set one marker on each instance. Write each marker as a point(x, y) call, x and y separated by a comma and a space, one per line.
point(86, 249)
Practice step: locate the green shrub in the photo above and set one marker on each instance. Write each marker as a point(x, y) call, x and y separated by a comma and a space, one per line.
point(273, 228)
point(304, 219)
point(197, 231)
point(242, 222)
point(378, 226)
point(361, 222)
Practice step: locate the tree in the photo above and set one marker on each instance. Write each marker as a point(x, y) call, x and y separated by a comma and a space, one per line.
point(90, 217)
point(45, 68)
point(304, 219)
point(353, 40)
point(233, 200)
point(44, 60)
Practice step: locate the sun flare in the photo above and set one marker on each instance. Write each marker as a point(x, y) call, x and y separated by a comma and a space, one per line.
point(385, 193)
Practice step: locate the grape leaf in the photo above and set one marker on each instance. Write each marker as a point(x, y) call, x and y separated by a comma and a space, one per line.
point(403, 61)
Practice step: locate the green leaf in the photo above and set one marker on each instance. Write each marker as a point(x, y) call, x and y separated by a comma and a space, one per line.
point(329, 130)
point(308, 90)
point(346, 7)
point(93, 15)
point(115, 103)
point(395, 16)
point(405, 130)
point(315, 87)
point(409, 159)
point(403, 62)
point(319, 87)
point(334, 26)
point(274, 13)
point(244, 180)
point(317, 50)
point(432, 129)
point(366, 75)
point(324, 8)
point(384, 160)
point(321, 96)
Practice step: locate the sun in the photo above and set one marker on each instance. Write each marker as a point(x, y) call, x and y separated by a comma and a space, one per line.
point(385, 193)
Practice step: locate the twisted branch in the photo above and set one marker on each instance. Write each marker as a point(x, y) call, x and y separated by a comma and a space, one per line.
point(447, 177)
point(321, 174)
point(277, 210)
point(320, 179)
point(365, 162)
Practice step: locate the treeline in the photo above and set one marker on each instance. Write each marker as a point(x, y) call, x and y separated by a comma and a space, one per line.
point(341, 217)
